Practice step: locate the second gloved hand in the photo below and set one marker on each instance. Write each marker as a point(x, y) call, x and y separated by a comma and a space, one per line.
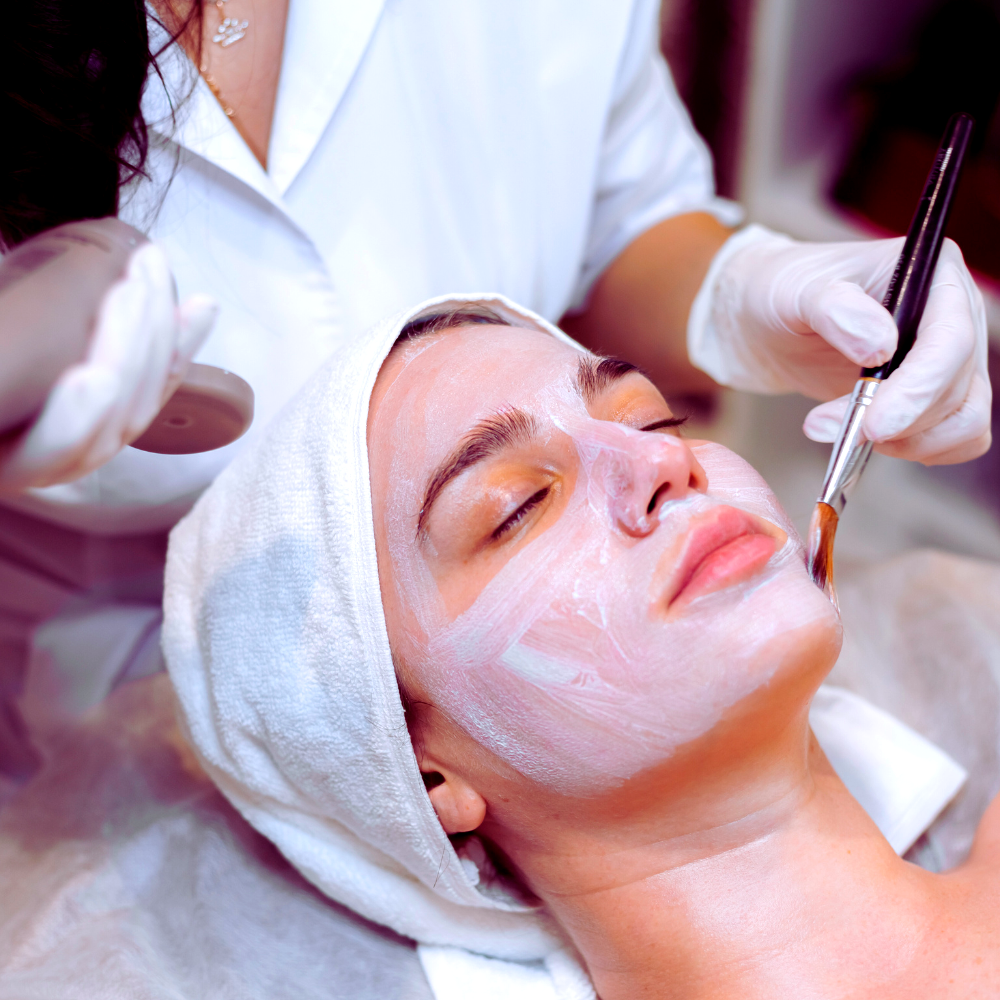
point(137, 357)
point(777, 315)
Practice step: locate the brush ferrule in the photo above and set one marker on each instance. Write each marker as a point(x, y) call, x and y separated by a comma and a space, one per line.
point(851, 449)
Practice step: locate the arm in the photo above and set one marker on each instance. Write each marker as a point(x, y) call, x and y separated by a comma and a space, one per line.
point(638, 308)
point(781, 315)
point(786, 316)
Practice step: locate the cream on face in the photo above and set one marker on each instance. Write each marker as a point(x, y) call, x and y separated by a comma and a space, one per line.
point(586, 596)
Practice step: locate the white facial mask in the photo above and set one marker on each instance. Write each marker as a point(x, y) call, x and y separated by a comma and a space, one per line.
point(567, 664)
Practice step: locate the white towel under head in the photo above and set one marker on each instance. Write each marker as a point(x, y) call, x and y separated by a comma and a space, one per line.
point(276, 645)
point(900, 778)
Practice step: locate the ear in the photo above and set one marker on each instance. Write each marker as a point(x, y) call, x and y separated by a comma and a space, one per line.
point(459, 807)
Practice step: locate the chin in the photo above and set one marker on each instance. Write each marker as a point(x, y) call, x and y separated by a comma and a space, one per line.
point(806, 632)
point(778, 622)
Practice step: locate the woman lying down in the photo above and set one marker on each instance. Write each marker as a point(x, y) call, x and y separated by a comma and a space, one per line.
point(606, 644)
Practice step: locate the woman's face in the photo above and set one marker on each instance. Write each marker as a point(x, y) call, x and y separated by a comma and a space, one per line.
point(579, 588)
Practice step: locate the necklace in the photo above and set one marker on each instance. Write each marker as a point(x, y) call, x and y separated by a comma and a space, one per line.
point(229, 32)
point(228, 109)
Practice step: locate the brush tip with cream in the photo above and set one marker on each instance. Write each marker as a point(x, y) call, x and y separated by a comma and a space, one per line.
point(822, 530)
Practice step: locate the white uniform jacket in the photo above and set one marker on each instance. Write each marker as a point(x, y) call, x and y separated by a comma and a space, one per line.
point(418, 147)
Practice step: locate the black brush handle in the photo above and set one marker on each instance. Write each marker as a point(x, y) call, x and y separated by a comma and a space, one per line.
point(911, 281)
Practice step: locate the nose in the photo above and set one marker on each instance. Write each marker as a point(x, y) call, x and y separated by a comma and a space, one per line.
point(648, 472)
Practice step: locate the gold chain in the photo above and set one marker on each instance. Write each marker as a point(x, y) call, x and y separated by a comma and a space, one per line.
point(229, 32)
point(229, 110)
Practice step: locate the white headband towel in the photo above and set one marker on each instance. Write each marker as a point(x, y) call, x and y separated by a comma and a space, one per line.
point(276, 645)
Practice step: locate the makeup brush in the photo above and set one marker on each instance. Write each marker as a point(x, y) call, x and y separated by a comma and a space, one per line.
point(905, 299)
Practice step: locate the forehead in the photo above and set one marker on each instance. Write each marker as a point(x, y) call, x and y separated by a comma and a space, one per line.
point(468, 372)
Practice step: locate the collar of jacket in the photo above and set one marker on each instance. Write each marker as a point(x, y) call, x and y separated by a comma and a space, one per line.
point(325, 42)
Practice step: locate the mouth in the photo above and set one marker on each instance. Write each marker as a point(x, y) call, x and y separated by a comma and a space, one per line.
point(722, 548)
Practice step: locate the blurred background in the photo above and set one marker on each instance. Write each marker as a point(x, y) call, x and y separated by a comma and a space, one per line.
point(823, 118)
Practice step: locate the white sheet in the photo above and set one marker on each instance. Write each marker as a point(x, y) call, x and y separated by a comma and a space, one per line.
point(124, 872)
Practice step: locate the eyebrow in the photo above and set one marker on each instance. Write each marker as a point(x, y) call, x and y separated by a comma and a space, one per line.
point(596, 375)
point(487, 438)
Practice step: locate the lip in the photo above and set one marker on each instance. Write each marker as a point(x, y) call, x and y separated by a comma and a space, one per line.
point(723, 547)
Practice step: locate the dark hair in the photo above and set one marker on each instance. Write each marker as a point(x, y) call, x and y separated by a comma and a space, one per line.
point(445, 319)
point(71, 82)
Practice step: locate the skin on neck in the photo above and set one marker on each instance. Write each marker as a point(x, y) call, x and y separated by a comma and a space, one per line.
point(245, 73)
point(741, 868)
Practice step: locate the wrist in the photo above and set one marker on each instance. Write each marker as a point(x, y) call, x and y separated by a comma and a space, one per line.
point(716, 322)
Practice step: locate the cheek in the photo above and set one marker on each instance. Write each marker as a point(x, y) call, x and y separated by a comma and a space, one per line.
point(561, 667)
point(734, 481)
point(558, 663)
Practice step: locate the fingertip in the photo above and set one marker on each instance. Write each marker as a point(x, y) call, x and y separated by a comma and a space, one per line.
point(200, 308)
point(822, 423)
point(148, 255)
point(876, 359)
point(122, 310)
point(151, 262)
point(822, 430)
point(853, 322)
point(142, 261)
point(198, 315)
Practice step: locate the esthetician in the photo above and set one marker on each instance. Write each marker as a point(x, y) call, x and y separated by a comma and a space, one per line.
point(314, 166)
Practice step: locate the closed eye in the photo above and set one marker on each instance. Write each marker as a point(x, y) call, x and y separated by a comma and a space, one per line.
point(533, 501)
point(668, 422)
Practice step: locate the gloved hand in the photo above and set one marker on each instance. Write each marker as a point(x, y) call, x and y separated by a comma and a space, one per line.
point(137, 357)
point(775, 315)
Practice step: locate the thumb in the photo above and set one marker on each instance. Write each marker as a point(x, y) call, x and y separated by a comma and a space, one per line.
point(197, 317)
point(851, 321)
point(823, 422)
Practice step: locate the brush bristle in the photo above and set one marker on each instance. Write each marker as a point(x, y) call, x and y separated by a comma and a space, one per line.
point(822, 531)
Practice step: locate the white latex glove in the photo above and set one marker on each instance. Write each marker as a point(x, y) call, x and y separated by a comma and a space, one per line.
point(140, 349)
point(775, 315)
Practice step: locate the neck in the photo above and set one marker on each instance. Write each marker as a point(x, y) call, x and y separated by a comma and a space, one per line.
point(794, 893)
